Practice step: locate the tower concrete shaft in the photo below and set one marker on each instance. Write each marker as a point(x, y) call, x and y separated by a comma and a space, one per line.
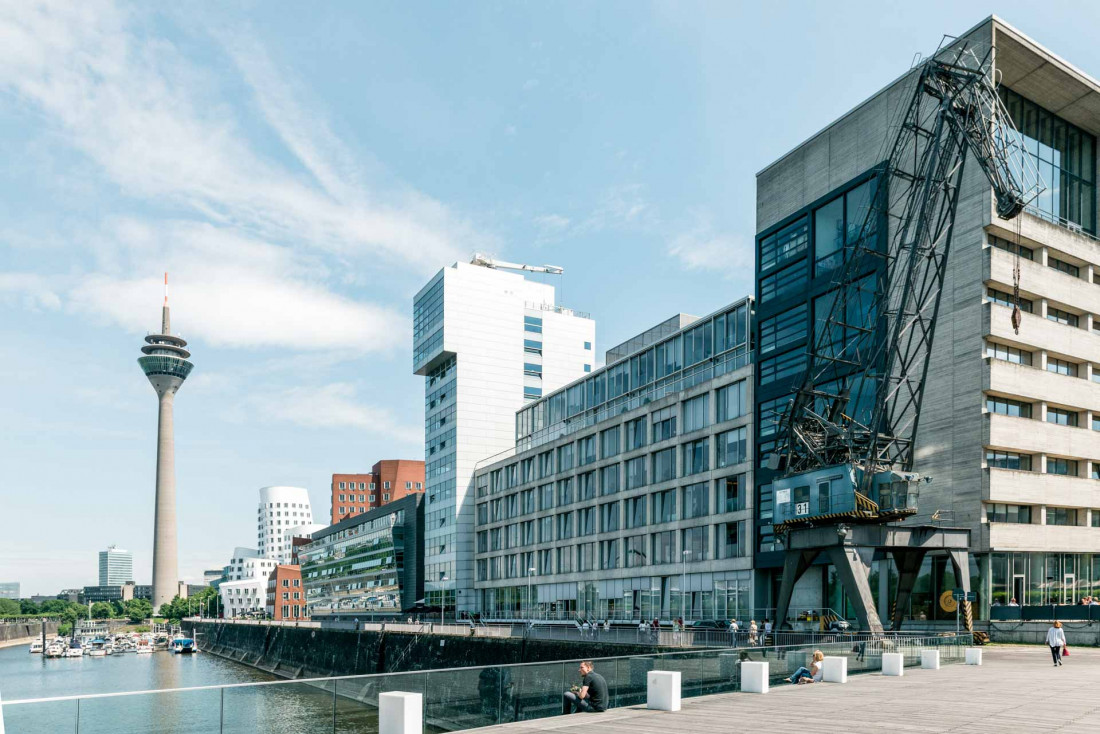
point(165, 364)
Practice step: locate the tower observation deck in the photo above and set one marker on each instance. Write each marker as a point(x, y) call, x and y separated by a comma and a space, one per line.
point(165, 364)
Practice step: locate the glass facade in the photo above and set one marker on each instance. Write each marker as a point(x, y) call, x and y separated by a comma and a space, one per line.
point(1065, 157)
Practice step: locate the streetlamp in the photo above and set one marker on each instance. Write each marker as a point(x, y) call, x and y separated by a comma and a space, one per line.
point(530, 573)
point(683, 592)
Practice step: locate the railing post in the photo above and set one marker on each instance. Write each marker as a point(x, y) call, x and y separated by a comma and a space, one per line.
point(334, 684)
point(221, 713)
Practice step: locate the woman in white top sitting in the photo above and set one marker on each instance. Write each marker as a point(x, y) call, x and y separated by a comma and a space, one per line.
point(802, 675)
point(1056, 640)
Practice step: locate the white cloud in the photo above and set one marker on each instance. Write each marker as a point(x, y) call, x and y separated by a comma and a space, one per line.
point(335, 405)
point(29, 290)
point(702, 248)
point(551, 221)
point(253, 238)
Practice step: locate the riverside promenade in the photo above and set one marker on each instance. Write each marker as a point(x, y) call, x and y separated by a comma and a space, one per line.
point(1017, 689)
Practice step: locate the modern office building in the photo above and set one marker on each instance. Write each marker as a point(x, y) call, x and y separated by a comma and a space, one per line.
point(116, 566)
point(487, 342)
point(9, 590)
point(211, 577)
point(366, 566)
point(628, 492)
point(281, 510)
point(165, 363)
point(285, 594)
point(1010, 426)
point(388, 480)
point(244, 592)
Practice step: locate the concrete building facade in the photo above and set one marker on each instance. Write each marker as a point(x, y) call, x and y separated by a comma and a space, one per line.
point(116, 566)
point(486, 342)
point(1009, 427)
point(628, 493)
point(388, 480)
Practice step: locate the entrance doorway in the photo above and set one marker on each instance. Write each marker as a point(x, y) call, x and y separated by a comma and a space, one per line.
point(1069, 589)
point(1018, 588)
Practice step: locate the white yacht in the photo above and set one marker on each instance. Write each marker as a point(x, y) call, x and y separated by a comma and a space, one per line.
point(37, 646)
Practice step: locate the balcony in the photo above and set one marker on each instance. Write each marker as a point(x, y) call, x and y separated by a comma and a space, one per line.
point(1042, 281)
point(1032, 488)
point(1005, 536)
point(1037, 437)
point(1037, 332)
point(1032, 383)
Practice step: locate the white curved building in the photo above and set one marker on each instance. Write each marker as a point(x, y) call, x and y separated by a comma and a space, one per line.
point(281, 508)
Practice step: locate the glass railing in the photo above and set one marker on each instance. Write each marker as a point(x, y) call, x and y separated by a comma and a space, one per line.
point(454, 699)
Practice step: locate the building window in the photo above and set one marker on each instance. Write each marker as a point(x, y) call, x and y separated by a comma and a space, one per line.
point(342, 498)
point(1061, 367)
point(635, 433)
point(1005, 299)
point(782, 367)
point(546, 464)
point(636, 473)
point(729, 495)
point(1065, 267)
point(586, 521)
point(588, 346)
point(1008, 460)
point(343, 485)
point(1025, 252)
point(609, 554)
point(1061, 417)
point(609, 517)
point(1004, 406)
point(785, 244)
point(565, 526)
point(1062, 317)
point(565, 457)
point(731, 401)
point(588, 368)
point(532, 324)
point(532, 346)
point(784, 329)
point(586, 485)
point(635, 512)
point(609, 479)
point(732, 447)
point(1008, 354)
point(664, 424)
point(385, 485)
point(696, 457)
point(609, 442)
point(694, 542)
point(664, 465)
point(586, 448)
point(664, 546)
point(634, 550)
point(565, 492)
point(1061, 516)
point(783, 282)
point(696, 412)
point(1064, 467)
point(696, 500)
point(664, 506)
point(729, 540)
point(1020, 514)
point(546, 529)
point(534, 370)
point(546, 496)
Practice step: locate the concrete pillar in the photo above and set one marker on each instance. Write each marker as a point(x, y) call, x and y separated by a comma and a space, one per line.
point(1041, 362)
point(400, 713)
point(930, 659)
point(165, 565)
point(754, 677)
point(893, 664)
point(663, 690)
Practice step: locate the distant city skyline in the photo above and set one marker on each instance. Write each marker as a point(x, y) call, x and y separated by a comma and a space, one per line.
point(302, 175)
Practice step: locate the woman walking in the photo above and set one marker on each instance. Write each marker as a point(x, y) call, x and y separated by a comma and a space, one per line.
point(1056, 640)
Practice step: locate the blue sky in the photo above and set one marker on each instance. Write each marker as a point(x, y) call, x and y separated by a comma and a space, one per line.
point(302, 169)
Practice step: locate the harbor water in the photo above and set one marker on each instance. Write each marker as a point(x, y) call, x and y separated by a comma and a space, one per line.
point(287, 707)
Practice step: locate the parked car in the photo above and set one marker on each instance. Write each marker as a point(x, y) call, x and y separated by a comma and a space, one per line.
point(839, 625)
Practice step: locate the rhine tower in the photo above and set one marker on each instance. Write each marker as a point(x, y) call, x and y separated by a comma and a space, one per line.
point(165, 364)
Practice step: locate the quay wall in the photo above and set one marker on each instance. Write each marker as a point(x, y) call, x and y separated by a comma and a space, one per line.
point(11, 631)
point(1085, 634)
point(293, 652)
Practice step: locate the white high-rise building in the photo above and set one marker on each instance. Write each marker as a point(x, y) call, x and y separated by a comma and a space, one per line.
point(487, 342)
point(281, 508)
point(284, 512)
point(116, 567)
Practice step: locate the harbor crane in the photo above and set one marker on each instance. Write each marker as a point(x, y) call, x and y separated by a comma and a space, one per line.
point(845, 439)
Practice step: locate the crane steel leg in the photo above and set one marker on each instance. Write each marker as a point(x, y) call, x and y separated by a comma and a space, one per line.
point(908, 563)
point(855, 573)
point(794, 565)
point(960, 562)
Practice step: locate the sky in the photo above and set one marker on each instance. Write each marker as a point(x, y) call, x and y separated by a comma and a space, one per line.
point(301, 169)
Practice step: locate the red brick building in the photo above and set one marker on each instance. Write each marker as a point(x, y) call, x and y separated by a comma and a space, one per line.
point(286, 597)
point(389, 480)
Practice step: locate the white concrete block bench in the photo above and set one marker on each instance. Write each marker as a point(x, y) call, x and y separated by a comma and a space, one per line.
point(400, 713)
point(973, 656)
point(663, 690)
point(754, 677)
point(893, 663)
point(930, 659)
point(834, 670)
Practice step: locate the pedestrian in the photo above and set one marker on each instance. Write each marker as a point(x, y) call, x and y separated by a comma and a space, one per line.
point(752, 632)
point(813, 674)
point(589, 696)
point(357, 624)
point(1056, 640)
point(733, 630)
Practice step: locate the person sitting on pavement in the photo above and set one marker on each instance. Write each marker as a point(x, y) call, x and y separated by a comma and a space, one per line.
point(590, 696)
point(804, 675)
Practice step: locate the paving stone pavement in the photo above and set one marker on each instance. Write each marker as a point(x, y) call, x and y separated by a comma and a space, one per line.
point(1017, 689)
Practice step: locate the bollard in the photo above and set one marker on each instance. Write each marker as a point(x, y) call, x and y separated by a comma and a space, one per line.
point(663, 690)
point(754, 677)
point(400, 713)
point(930, 659)
point(893, 663)
point(835, 670)
point(973, 656)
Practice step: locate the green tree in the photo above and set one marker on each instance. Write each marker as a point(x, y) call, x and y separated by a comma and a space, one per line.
point(138, 610)
point(26, 606)
point(53, 606)
point(9, 608)
point(73, 612)
point(101, 610)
